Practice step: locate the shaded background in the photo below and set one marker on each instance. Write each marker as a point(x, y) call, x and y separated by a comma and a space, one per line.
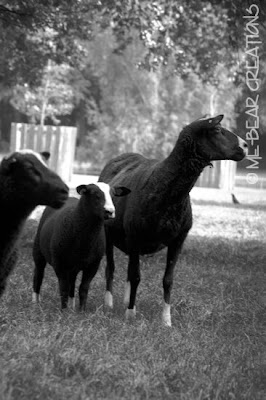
point(128, 74)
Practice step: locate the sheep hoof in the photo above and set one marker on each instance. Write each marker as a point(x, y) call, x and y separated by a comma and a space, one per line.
point(108, 299)
point(127, 293)
point(167, 321)
point(166, 316)
point(131, 313)
point(35, 298)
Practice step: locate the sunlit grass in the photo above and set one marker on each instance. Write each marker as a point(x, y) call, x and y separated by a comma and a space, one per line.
point(215, 349)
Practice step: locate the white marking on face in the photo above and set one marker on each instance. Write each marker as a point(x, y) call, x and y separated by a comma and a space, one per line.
point(243, 145)
point(109, 205)
point(131, 313)
point(35, 297)
point(127, 293)
point(34, 153)
point(166, 316)
point(108, 299)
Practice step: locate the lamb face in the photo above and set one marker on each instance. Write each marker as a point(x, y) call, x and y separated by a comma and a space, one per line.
point(108, 205)
point(107, 191)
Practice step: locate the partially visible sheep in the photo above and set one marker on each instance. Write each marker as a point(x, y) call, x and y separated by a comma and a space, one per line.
point(25, 182)
point(73, 239)
point(158, 213)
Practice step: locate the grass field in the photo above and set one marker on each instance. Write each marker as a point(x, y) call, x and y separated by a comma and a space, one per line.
point(216, 348)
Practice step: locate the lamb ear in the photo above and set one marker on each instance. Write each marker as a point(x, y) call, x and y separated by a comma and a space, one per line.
point(81, 189)
point(120, 191)
point(45, 154)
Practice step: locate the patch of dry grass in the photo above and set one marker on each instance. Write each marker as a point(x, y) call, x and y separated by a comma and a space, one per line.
point(215, 349)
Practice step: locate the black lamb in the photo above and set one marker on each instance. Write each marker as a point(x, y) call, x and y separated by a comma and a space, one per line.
point(25, 182)
point(158, 213)
point(73, 239)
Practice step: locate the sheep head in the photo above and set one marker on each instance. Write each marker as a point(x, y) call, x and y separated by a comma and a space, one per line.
point(99, 197)
point(211, 141)
point(32, 182)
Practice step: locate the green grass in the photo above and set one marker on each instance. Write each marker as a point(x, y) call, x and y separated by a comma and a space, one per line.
point(216, 348)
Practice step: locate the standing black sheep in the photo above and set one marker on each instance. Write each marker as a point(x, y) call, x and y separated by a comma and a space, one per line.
point(73, 239)
point(25, 182)
point(158, 212)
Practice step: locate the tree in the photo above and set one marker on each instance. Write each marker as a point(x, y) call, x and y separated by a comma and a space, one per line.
point(52, 98)
point(196, 35)
point(128, 70)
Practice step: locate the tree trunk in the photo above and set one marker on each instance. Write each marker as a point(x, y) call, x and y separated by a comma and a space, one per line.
point(45, 95)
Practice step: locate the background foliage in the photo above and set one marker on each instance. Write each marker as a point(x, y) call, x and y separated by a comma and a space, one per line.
point(129, 74)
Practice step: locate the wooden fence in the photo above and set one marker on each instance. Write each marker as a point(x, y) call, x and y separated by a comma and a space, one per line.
point(60, 141)
point(221, 175)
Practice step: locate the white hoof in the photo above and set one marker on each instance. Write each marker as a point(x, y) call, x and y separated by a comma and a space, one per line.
point(166, 316)
point(35, 298)
point(131, 313)
point(108, 299)
point(127, 293)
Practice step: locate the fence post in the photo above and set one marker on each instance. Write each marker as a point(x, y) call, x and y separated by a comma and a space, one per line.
point(227, 176)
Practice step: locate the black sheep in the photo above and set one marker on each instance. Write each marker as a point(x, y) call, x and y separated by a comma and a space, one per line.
point(73, 239)
point(158, 212)
point(25, 182)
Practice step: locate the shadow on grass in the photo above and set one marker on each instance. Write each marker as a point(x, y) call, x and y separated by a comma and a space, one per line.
point(219, 286)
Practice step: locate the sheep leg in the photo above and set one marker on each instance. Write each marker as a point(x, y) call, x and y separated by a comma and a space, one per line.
point(88, 274)
point(72, 290)
point(38, 275)
point(109, 272)
point(5, 270)
point(172, 255)
point(3, 279)
point(64, 290)
point(133, 280)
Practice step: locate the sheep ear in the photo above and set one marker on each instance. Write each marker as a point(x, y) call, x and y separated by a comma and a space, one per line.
point(45, 154)
point(215, 120)
point(210, 122)
point(81, 189)
point(120, 191)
